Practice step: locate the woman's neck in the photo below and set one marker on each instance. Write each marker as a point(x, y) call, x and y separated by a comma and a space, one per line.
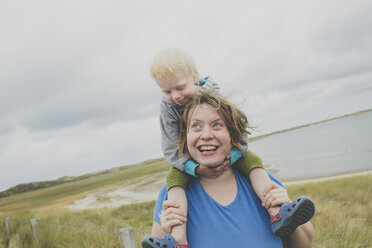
point(222, 189)
point(226, 175)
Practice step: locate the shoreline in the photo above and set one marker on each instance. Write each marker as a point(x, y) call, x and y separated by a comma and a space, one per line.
point(256, 138)
point(325, 178)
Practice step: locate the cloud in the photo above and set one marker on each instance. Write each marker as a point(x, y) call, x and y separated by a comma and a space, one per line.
point(309, 103)
point(76, 95)
point(77, 150)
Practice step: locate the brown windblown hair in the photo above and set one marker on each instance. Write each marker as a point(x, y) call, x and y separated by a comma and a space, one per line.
point(236, 121)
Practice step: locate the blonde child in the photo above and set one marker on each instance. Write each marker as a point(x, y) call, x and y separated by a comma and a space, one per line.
point(175, 73)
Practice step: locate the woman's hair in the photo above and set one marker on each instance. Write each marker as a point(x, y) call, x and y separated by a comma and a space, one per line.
point(167, 61)
point(236, 121)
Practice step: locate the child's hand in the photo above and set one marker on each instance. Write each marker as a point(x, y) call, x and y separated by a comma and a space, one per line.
point(274, 196)
point(213, 172)
point(171, 216)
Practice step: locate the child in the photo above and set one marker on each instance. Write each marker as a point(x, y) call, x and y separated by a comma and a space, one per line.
point(176, 74)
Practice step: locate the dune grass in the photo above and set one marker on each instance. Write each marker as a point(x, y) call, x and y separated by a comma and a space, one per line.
point(343, 215)
point(86, 228)
point(343, 218)
point(61, 195)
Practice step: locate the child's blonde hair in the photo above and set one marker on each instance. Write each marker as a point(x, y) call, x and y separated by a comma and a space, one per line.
point(167, 61)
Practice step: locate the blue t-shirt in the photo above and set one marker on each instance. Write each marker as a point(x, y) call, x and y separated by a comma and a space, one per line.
point(242, 223)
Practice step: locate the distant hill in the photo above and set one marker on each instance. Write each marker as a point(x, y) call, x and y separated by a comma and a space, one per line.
point(26, 187)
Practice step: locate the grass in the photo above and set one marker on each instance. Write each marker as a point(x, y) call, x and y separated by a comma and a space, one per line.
point(60, 195)
point(86, 228)
point(343, 216)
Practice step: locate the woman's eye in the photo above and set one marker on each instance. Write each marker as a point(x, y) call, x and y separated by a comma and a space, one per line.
point(195, 126)
point(217, 125)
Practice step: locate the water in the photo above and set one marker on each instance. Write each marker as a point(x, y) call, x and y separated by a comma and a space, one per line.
point(331, 148)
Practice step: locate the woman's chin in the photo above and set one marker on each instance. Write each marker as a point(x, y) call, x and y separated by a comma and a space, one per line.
point(211, 162)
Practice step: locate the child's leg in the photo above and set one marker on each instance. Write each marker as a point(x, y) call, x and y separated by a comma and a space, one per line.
point(286, 218)
point(178, 194)
point(176, 184)
point(260, 181)
point(251, 165)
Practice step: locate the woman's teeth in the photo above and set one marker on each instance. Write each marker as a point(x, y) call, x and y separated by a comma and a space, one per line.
point(207, 148)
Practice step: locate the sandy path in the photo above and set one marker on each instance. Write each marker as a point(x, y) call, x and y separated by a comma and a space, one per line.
point(148, 190)
point(145, 190)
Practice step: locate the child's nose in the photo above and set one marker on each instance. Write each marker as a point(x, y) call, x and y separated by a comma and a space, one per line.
point(175, 95)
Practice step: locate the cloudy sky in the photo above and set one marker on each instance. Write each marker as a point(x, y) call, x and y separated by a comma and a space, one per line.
point(76, 95)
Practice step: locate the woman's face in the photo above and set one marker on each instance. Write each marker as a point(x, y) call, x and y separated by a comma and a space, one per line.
point(208, 139)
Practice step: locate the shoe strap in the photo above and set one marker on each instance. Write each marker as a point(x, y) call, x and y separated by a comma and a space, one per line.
point(276, 218)
point(181, 246)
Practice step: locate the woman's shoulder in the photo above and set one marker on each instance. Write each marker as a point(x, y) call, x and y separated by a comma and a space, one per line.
point(271, 176)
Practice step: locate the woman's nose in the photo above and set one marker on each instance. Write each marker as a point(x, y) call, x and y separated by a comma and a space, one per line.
point(206, 133)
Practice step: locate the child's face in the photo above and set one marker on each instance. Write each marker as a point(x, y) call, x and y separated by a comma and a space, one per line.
point(178, 89)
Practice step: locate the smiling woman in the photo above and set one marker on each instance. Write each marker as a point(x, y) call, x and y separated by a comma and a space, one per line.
point(215, 124)
point(223, 211)
point(208, 139)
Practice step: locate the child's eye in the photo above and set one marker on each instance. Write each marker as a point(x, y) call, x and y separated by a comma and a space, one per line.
point(180, 88)
point(166, 92)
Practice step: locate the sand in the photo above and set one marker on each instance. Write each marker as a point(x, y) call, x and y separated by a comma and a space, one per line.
point(143, 191)
point(147, 190)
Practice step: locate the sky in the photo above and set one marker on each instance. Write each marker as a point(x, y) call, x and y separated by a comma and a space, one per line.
point(76, 94)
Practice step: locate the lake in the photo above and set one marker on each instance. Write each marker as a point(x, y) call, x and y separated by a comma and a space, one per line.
point(331, 148)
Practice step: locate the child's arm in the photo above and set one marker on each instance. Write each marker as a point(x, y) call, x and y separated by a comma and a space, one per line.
point(169, 116)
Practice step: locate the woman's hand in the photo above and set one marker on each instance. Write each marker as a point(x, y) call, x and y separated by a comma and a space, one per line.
point(213, 172)
point(274, 196)
point(171, 216)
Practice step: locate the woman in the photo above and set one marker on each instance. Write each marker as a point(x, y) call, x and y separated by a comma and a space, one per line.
point(222, 211)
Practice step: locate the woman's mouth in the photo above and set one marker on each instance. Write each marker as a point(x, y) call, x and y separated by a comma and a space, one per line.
point(207, 148)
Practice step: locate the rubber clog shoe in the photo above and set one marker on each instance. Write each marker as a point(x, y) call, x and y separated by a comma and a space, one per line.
point(291, 215)
point(167, 241)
